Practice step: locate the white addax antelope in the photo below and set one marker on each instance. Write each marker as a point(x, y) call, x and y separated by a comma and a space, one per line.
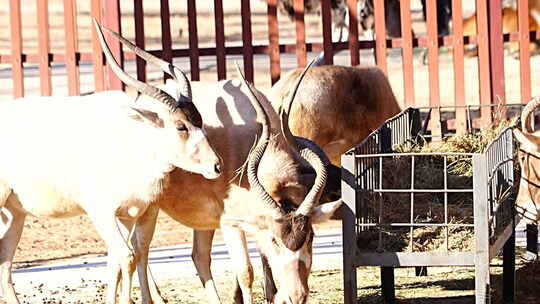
point(99, 155)
point(276, 202)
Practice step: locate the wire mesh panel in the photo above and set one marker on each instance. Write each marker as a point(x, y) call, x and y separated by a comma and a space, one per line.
point(410, 208)
point(499, 158)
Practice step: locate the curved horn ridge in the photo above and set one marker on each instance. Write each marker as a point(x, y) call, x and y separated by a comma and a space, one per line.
point(256, 155)
point(165, 66)
point(140, 86)
point(526, 114)
point(316, 158)
point(286, 108)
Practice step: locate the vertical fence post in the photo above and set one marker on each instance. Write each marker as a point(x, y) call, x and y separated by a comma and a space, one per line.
point(138, 14)
point(327, 32)
point(433, 68)
point(44, 48)
point(273, 39)
point(97, 54)
point(524, 55)
point(17, 72)
point(407, 52)
point(354, 46)
point(166, 38)
point(482, 29)
point(301, 56)
point(348, 215)
point(496, 52)
point(247, 40)
point(459, 66)
point(220, 40)
point(380, 35)
point(193, 40)
point(481, 230)
point(72, 63)
point(111, 18)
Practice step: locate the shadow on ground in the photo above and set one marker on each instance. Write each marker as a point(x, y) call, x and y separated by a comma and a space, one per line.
point(428, 289)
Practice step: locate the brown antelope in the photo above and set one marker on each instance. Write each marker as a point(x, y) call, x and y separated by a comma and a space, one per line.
point(96, 154)
point(335, 106)
point(276, 202)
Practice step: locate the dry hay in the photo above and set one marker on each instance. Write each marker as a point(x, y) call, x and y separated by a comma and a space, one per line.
point(429, 208)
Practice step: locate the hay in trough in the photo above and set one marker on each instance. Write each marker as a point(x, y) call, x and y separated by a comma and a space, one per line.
point(428, 209)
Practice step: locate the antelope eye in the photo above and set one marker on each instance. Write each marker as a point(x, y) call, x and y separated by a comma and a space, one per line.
point(274, 242)
point(182, 128)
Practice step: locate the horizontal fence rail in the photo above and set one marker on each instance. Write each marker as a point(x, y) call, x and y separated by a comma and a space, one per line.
point(488, 36)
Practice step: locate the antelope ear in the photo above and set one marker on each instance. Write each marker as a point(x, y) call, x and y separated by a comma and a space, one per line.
point(528, 142)
point(147, 116)
point(322, 213)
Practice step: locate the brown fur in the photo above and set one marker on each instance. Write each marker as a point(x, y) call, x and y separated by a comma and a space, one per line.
point(337, 104)
point(294, 230)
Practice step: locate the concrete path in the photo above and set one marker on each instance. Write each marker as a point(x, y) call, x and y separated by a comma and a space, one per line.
point(166, 263)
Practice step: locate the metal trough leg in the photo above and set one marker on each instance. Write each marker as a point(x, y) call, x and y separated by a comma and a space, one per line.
point(388, 285)
point(509, 269)
point(420, 271)
point(348, 194)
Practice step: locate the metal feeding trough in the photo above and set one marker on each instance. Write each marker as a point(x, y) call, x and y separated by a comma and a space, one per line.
point(396, 216)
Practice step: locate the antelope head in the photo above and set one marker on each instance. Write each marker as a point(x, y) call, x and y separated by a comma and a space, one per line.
point(528, 199)
point(176, 119)
point(287, 175)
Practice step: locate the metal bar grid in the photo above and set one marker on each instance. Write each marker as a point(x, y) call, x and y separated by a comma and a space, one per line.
point(375, 191)
point(492, 177)
point(500, 182)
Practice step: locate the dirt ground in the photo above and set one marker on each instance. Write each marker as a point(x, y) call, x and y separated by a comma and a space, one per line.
point(442, 285)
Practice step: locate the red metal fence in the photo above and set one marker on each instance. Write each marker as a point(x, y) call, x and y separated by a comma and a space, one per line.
point(489, 39)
